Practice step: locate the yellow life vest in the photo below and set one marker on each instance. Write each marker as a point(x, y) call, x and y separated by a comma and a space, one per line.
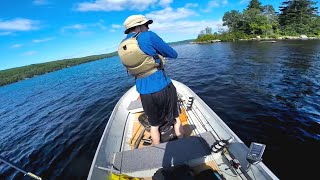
point(138, 63)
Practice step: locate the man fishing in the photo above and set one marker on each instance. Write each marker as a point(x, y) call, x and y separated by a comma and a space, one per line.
point(142, 52)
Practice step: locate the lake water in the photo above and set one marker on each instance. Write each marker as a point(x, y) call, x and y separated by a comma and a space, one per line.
point(265, 92)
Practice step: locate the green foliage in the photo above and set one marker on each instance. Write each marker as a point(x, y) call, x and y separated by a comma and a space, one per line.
point(297, 17)
point(272, 18)
point(205, 37)
point(16, 74)
point(233, 20)
point(255, 4)
point(255, 22)
point(315, 26)
point(226, 36)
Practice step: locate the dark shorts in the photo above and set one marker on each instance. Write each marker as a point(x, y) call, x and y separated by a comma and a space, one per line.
point(161, 105)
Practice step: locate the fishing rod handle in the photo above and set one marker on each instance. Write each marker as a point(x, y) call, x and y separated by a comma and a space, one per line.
point(34, 176)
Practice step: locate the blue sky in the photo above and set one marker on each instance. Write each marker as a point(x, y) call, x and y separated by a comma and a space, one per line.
point(36, 31)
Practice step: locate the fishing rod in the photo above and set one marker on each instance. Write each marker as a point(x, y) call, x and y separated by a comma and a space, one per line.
point(19, 169)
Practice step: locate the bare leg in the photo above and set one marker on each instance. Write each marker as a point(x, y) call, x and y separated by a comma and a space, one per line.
point(155, 135)
point(178, 129)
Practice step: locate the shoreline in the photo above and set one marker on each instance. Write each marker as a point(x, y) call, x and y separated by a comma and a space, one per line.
point(260, 39)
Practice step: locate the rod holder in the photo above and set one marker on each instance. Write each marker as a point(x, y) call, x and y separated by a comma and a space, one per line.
point(190, 103)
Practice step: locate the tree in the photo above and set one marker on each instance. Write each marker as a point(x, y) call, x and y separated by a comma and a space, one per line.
point(315, 26)
point(208, 30)
point(297, 15)
point(272, 18)
point(255, 4)
point(233, 20)
point(255, 22)
point(202, 32)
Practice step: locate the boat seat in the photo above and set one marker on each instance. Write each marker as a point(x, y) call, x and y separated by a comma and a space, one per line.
point(166, 154)
point(135, 106)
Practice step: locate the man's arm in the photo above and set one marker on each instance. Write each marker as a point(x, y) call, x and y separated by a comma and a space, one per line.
point(162, 47)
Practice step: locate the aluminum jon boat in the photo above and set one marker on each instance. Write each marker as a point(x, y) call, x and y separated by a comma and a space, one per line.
point(209, 145)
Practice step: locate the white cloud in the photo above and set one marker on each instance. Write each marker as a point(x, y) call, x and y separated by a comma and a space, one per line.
point(165, 3)
point(169, 14)
point(116, 26)
point(40, 2)
point(83, 28)
point(177, 21)
point(18, 24)
point(214, 4)
point(100, 25)
point(114, 5)
point(16, 46)
point(77, 26)
point(191, 5)
point(29, 53)
point(73, 27)
point(42, 40)
point(188, 27)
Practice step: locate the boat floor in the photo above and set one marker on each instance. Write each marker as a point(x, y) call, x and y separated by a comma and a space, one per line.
point(135, 159)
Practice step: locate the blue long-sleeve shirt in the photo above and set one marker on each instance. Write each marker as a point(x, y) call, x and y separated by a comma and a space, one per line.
point(151, 44)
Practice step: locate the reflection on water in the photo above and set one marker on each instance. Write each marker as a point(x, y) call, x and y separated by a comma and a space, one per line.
point(265, 92)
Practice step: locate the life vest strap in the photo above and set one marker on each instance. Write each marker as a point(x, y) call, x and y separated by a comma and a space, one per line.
point(145, 74)
point(136, 35)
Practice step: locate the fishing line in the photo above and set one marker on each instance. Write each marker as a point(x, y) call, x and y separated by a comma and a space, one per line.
point(209, 125)
point(197, 133)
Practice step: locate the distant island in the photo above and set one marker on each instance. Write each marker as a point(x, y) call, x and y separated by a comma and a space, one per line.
point(296, 20)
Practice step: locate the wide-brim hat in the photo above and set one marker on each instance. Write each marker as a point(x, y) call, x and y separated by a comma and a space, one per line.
point(135, 20)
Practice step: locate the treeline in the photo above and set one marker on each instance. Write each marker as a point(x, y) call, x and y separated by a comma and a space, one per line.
point(20, 73)
point(296, 17)
point(181, 42)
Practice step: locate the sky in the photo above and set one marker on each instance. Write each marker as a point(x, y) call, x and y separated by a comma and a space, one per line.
point(37, 31)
